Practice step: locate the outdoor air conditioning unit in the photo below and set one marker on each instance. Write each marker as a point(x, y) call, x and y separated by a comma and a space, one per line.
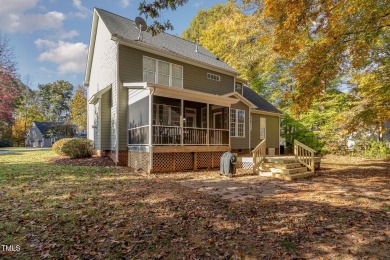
point(271, 151)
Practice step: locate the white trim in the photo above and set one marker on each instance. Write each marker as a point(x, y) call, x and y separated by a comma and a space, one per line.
point(150, 132)
point(117, 105)
point(156, 75)
point(214, 114)
point(250, 129)
point(192, 115)
point(241, 98)
point(135, 85)
point(235, 90)
point(181, 121)
point(279, 133)
point(214, 77)
point(196, 96)
point(91, 49)
point(95, 97)
point(208, 124)
point(236, 123)
point(265, 128)
point(261, 112)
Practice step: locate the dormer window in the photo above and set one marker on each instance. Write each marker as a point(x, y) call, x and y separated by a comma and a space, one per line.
point(162, 72)
point(213, 77)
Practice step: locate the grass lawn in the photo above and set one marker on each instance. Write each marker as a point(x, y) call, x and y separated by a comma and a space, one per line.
point(109, 213)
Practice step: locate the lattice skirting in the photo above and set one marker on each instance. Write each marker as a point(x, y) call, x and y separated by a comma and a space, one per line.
point(244, 167)
point(139, 160)
point(171, 162)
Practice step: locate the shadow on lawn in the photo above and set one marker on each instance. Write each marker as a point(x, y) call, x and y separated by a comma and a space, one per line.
point(138, 218)
point(107, 215)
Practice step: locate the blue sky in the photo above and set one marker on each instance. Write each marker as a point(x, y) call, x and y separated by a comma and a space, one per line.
point(50, 37)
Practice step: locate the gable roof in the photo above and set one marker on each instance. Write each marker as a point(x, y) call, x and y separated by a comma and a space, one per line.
point(44, 126)
point(258, 101)
point(124, 28)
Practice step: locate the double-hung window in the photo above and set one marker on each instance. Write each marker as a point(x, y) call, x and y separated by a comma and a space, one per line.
point(162, 72)
point(263, 127)
point(237, 123)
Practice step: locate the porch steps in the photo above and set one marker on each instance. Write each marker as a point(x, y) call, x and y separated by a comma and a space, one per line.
point(290, 177)
point(281, 168)
point(282, 165)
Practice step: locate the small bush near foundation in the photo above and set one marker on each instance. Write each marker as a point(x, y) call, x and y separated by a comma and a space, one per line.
point(78, 148)
point(57, 146)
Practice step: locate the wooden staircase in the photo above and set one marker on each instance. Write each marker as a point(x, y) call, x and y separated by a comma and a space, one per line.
point(302, 165)
point(285, 169)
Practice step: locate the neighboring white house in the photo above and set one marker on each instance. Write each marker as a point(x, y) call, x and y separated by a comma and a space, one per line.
point(36, 134)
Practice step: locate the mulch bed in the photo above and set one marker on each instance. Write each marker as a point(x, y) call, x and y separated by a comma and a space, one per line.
point(93, 161)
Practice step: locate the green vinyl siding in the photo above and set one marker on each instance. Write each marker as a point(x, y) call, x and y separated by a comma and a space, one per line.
point(241, 142)
point(106, 121)
point(194, 78)
point(272, 130)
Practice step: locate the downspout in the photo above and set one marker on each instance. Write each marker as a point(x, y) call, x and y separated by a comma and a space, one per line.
point(151, 130)
point(250, 128)
point(117, 100)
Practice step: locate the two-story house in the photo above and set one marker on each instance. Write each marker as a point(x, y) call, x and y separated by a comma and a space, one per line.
point(161, 103)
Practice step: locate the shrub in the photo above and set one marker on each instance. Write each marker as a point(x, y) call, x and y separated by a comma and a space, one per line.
point(376, 149)
point(78, 148)
point(5, 143)
point(57, 146)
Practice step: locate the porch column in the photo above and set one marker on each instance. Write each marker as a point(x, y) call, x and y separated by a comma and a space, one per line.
point(181, 122)
point(150, 133)
point(208, 125)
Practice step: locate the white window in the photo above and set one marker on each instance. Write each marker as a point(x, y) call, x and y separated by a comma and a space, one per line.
point(163, 73)
point(238, 88)
point(213, 77)
point(150, 70)
point(177, 76)
point(237, 123)
point(262, 128)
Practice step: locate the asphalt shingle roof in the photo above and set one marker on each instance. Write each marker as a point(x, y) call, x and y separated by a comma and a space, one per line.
point(123, 27)
point(258, 101)
point(44, 126)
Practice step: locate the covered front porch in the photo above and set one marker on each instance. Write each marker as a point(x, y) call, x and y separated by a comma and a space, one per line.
point(178, 129)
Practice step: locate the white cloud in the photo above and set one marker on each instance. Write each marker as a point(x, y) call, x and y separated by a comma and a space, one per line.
point(125, 3)
point(69, 57)
point(14, 17)
point(66, 35)
point(198, 4)
point(83, 12)
point(11, 6)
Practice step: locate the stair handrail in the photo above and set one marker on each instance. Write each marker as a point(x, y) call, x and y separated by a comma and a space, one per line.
point(305, 155)
point(259, 154)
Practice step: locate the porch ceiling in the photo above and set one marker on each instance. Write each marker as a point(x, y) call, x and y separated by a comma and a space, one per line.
point(173, 92)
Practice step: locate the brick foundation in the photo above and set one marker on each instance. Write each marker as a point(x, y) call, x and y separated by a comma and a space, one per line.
point(122, 158)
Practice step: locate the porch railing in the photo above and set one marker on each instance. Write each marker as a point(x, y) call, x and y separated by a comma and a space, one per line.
point(171, 135)
point(195, 136)
point(166, 135)
point(304, 155)
point(259, 154)
point(219, 137)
